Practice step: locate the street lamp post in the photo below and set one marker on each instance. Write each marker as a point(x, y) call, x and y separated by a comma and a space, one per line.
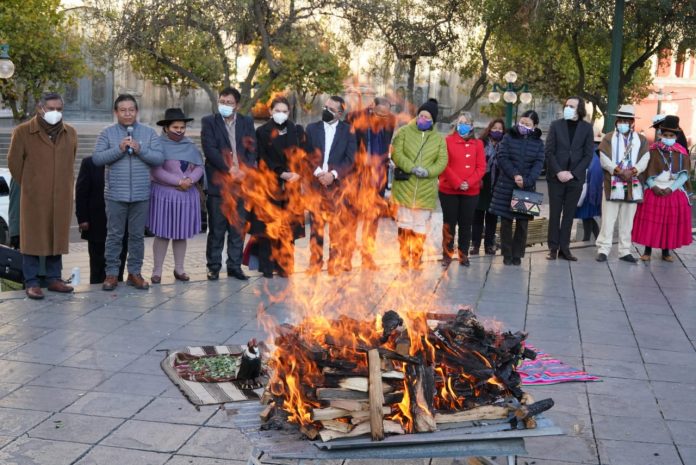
point(614, 65)
point(510, 95)
point(7, 68)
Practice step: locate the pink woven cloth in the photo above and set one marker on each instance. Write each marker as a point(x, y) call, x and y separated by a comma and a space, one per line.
point(548, 370)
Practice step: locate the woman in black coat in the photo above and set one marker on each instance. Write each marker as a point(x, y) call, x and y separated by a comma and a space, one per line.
point(520, 160)
point(279, 142)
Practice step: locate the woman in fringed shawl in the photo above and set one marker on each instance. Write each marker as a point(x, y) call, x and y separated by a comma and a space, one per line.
point(664, 218)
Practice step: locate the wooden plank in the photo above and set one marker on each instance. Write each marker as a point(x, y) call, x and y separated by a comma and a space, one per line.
point(485, 412)
point(376, 395)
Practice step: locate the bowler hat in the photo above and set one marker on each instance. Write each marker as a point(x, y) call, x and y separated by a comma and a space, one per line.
point(173, 114)
point(626, 112)
point(668, 123)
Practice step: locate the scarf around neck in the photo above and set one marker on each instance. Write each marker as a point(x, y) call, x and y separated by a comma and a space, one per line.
point(52, 130)
point(184, 150)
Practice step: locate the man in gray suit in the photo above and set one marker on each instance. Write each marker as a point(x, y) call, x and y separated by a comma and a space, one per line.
point(569, 147)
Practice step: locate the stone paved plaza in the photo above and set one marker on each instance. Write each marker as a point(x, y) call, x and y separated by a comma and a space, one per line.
point(80, 381)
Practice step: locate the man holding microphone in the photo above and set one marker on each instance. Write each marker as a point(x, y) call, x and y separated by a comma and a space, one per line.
point(128, 149)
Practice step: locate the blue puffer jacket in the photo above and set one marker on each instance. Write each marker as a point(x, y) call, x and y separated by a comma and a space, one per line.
point(127, 177)
point(517, 155)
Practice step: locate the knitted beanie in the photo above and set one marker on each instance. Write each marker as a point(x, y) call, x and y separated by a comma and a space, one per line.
point(431, 107)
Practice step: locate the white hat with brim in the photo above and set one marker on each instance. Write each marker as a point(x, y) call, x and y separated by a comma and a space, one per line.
point(626, 111)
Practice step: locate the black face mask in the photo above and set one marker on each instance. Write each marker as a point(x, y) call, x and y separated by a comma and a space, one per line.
point(327, 116)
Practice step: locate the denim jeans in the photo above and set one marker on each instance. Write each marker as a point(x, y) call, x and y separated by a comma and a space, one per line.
point(30, 267)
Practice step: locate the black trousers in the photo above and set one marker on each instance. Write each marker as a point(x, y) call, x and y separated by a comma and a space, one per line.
point(97, 261)
point(490, 221)
point(457, 210)
point(269, 250)
point(513, 245)
point(563, 201)
point(217, 227)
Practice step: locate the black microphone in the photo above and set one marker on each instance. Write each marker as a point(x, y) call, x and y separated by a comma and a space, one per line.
point(129, 130)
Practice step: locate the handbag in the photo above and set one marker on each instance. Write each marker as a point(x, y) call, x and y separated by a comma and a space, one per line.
point(11, 264)
point(401, 175)
point(526, 202)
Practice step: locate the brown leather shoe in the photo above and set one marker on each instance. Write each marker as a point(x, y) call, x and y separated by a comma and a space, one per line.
point(137, 281)
point(110, 283)
point(34, 293)
point(59, 286)
point(181, 277)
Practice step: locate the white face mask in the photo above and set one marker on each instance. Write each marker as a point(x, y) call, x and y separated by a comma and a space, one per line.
point(52, 117)
point(280, 117)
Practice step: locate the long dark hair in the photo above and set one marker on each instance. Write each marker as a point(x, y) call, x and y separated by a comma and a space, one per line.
point(582, 111)
point(487, 132)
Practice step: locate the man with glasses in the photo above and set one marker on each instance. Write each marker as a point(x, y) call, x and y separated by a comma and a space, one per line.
point(128, 149)
point(41, 158)
point(229, 144)
point(374, 128)
point(330, 148)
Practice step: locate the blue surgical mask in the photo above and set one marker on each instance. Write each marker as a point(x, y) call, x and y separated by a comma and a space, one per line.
point(424, 124)
point(464, 129)
point(225, 110)
point(669, 142)
point(623, 128)
point(568, 113)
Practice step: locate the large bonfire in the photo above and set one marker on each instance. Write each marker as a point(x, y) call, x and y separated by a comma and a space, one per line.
point(340, 368)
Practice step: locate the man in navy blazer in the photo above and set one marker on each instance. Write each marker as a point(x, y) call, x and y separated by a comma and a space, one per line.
point(229, 145)
point(569, 150)
point(330, 148)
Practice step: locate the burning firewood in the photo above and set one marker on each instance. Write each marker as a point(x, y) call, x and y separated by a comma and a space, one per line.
point(400, 376)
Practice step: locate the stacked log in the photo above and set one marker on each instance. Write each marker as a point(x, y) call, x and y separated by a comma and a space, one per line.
point(378, 384)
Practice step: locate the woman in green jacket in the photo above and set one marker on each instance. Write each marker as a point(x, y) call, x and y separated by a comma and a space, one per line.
point(420, 155)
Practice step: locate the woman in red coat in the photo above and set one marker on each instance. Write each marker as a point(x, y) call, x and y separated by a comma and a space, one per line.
point(459, 188)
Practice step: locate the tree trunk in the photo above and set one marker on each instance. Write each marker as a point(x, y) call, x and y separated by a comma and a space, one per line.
point(410, 84)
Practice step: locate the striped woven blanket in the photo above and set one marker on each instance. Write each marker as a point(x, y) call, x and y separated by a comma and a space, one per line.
point(202, 393)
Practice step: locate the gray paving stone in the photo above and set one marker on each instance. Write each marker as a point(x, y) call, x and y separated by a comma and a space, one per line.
point(188, 460)
point(135, 383)
point(109, 404)
point(175, 410)
point(687, 453)
point(558, 448)
point(75, 428)
point(48, 319)
point(626, 404)
point(127, 343)
point(622, 428)
point(40, 398)
point(216, 443)
point(119, 312)
point(632, 453)
point(683, 432)
point(103, 455)
point(100, 359)
point(71, 378)
point(151, 436)
point(145, 364)
point(42, 353)
point(20, 372)
point(22, 333)
point(96, 323)
point(29, 451)
point(69, 337)
point(608, 352)
point(675, 373)
point(615, 368)
point(14, 422)
point(565, 400)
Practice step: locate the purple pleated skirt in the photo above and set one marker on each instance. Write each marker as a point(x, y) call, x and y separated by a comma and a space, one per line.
point(174, 214)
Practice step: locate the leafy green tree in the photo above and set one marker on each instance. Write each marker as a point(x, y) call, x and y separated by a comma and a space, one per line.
point(411, 29)
point(562, 47)
point(186, 44)
point(45, 48)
